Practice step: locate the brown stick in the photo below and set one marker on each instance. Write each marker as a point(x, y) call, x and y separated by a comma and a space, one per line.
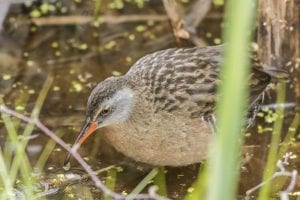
point(196, 13)
point(78, 19)
point(184, 25)
point(172, 10)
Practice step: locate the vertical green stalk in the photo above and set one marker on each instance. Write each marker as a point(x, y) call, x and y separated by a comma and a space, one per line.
point(160, 181)
point(30, 126)
point(97, 8)
point(223, 164)
point(13, 137)
point(21, 100)
point(48, 148)
point(272, 154)
point(25, 166)
point(5, 179)
point(290, 136)
point(197, 191)
point(143, 183)
point(20, 162)
point(111, 180)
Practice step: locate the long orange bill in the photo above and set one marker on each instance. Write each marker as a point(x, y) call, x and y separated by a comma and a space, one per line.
point(87, 129)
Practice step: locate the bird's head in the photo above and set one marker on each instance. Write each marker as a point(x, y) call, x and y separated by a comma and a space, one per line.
point(110, 102)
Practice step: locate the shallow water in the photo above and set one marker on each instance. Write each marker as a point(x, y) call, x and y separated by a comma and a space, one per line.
point(80, 56)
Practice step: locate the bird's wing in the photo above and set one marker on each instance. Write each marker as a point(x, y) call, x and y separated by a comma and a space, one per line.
point(184, 81)
point(181, 81)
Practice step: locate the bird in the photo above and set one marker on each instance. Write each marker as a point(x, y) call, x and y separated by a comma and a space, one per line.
point(161, 112)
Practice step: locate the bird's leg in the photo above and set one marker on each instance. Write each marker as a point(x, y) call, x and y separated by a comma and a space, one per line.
point(254, 109)
point(211, 120)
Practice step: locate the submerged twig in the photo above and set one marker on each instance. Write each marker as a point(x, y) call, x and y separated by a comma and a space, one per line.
point(287, 105)
point(184, 25)
point(196, 13)
point(85, 166)
point(282, 172)
point(172, 10)
point(79, 19)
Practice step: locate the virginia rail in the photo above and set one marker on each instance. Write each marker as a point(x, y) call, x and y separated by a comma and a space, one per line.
point(160, 112)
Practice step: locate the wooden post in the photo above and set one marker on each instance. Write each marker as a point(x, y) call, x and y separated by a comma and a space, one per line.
point(279, 36)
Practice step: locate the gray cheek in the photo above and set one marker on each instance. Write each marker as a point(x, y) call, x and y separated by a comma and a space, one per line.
point(122, 102)
point(118, 116)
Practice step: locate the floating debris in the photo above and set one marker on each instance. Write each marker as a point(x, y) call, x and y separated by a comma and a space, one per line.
point(83, 46)
point(140, 28)
point(77, 86)
point(110, 45)
point(54, 45)
point(131, 37)
point(35, 13)
point(6, 77)
point(128, 59)
point(31, 91)
point(19, 108)
point(116, 73)
point(56, 88)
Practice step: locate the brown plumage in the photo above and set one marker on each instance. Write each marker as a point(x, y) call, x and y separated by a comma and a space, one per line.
point(159, 112)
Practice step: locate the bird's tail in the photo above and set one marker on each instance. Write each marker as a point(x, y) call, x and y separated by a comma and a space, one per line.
point(275, 73)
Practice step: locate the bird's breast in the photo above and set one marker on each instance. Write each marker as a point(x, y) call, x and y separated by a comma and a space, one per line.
point(161, 139)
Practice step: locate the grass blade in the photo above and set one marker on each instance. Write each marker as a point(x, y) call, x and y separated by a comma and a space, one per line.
point(7, 183)
point(30, 126)
point(46, 152)
point(290, 136)
point(223, 164)
point(25, 166)
point(160, 181)
point(272, 154)
point(143, 183)
point(111, 180)
point(197, 190)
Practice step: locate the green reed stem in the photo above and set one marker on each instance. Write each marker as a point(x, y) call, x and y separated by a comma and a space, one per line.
point(290, 136)
point(21, 100)
point(5, 180)
point(273, 153)
point(160, 181)
point(143, 183)
point(224, 160)
point(111, 180)
point(287, 142)
point(47, 152)
point(25, 167)
point(97, 8)
point(18, 160)
point(197, 190)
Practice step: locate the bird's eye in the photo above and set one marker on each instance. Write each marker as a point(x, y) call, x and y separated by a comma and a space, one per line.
point(105, 111)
